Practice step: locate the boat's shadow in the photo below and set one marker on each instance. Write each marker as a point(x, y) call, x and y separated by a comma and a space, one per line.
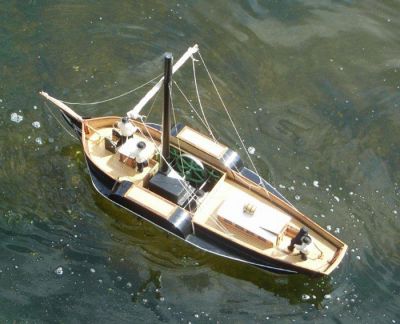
point(169, 252)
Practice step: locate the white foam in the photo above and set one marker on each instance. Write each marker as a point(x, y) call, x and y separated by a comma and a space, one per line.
point(16, 118)
point(251, 149)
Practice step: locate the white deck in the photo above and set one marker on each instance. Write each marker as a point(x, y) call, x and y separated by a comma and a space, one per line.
point(130, 149)
point(266, 222)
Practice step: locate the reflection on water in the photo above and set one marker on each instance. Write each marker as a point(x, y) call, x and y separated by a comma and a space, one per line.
point(317, 82)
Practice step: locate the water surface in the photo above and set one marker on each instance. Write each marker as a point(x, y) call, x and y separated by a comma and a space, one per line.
point(313, 85)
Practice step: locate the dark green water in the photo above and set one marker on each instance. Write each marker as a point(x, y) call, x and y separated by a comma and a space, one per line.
point(314, 86)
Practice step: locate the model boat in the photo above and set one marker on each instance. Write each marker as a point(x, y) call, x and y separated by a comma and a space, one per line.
point(197, 189)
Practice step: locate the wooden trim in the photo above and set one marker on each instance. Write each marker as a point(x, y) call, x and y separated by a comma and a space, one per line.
point(151, 201)
point(268, 244)
point(197, 139)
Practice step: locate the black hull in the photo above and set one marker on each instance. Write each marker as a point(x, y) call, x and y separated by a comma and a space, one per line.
point(201, 238)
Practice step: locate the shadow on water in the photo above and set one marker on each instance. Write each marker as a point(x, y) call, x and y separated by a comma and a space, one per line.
point(167, 253)
point(143, 246)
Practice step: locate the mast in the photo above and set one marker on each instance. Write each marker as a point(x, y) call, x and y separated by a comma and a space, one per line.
point(166, 120)
point(135, 111)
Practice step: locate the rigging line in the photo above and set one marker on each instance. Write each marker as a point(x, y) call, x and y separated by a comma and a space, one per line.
point(152, 105)
point(199, 100)
point(61, 124)
point(231, 120)
point(159, 152)
point(191, 194)
point(113, 98)
point(190, 104)
point(195, 197)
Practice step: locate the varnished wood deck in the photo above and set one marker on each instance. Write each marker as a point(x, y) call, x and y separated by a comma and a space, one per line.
point(110, 163)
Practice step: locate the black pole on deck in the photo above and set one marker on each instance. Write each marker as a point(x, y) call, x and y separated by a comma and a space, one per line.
point(166, 120)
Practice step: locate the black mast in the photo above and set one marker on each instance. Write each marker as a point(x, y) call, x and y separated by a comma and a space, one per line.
point(166, 120)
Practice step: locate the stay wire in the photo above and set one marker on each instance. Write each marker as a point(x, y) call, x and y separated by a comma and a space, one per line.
point(231, 120)
point(61, 124)
point(152, 104)
point(199, 100)
point(113, 98)
point(190, 104)
point(158, 150)
point(191, 194)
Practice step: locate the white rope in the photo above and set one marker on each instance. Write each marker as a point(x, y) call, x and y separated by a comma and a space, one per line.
point(231, 120)
point(152, 105)
point(192, 195)
point(61, 124)
point(191, 105)
point(113, 98)
point(199, 100)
